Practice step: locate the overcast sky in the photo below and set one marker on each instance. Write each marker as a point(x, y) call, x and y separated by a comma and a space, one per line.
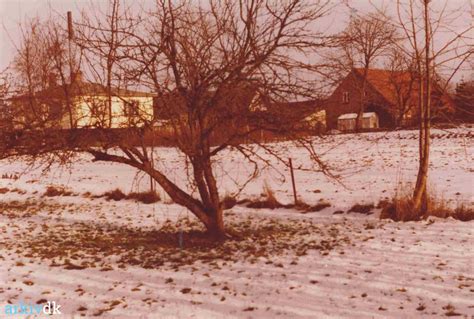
point(14, 11)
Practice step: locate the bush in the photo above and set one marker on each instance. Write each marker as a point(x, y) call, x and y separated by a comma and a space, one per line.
point(306, 208)
point(52, 191)
point(115, 195)
point(463, 213)
point(318, 207)
point(148, 197)
point(401, 209)
point(228, 202)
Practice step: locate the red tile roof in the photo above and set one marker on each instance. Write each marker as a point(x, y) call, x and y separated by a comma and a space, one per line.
point(386, 83)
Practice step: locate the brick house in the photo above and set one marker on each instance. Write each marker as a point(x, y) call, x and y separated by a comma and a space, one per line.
point(392, 95)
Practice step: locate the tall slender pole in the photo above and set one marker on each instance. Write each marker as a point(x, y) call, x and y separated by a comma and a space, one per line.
point(293, 182)
point(70, 35)
point(71, 71)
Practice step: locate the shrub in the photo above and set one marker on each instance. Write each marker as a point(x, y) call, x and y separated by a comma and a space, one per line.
point(463, 213)
point(318, 207)
point(52, 191)
point(148, 197)
point(228, 202)
point(115, 195)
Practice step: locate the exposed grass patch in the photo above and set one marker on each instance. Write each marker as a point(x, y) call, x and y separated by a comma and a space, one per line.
point(319, 207)
point(88, 245)
point(307, 208)
point(53, 191)
point(27, 208)
point(362, 209)
point(10, 176)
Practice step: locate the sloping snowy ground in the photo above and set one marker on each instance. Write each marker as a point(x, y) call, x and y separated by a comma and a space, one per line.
point(345, 265)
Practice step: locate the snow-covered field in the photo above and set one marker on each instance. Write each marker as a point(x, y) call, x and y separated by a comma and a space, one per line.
point(105, 258)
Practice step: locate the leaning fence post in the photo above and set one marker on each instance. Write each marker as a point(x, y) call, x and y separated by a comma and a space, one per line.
point(293, 182)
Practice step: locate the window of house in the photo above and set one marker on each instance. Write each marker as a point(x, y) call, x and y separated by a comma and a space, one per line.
point(43, 111)
point(345, 97)
point(98, 112)
point(408, 114)
point(131, 108)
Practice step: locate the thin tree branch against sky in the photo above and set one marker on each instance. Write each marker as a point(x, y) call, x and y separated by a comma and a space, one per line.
point(13, 12)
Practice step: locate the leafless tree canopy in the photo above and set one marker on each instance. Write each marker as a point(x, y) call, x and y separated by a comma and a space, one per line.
point(212, 68)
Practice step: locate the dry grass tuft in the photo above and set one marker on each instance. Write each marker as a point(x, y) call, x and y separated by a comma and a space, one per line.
point(269, 200)
point(464, 213)
point(401, 209)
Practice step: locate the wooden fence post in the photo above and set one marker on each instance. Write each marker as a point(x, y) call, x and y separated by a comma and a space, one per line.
point(293, 182)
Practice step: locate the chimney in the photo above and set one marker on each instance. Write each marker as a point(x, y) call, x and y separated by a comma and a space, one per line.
point(70, 31)
point(77, 77)
point(52, 80)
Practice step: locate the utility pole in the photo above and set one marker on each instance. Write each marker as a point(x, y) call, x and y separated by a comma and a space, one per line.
point(71, 71)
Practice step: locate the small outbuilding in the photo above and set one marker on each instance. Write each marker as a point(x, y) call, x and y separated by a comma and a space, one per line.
point(348, 122)
point(316, 121)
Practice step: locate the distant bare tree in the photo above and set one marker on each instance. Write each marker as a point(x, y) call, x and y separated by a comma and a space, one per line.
point(5, 91)
point(45, 70)
point(103, 35)
point(402, 80)
point(365, 39)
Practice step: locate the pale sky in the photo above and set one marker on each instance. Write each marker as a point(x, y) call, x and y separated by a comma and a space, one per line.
point(14, 11)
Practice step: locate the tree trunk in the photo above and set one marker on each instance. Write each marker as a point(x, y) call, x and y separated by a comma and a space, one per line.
point(216, 227)
point(208, 210)
point(420, 194)
point(360, 115)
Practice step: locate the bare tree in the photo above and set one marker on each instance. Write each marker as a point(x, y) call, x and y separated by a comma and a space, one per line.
point(207, 64)
point(44, 69)
point(419, 22)
point(366, 39)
